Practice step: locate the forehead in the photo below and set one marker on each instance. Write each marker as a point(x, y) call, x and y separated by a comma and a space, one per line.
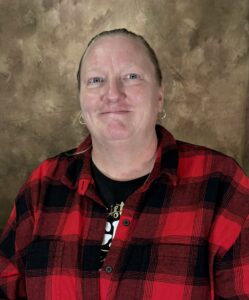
point(120, 47)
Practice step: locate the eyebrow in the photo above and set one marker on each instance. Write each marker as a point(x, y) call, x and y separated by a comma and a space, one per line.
point(127, 66)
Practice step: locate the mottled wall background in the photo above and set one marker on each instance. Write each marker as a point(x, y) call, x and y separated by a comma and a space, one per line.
point(202, 46)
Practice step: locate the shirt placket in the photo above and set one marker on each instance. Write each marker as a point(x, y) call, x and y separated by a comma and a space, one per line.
point(109, 271)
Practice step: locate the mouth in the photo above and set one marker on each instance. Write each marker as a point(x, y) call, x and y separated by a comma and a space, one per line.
point(116, 112)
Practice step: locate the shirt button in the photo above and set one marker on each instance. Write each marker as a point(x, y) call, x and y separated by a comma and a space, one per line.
point(108, 269)
point(126, 222)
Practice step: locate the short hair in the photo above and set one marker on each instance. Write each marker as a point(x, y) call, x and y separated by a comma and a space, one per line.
point(124, 31)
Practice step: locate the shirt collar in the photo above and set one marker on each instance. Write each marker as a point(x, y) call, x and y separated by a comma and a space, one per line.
point(78, 172)
point(167, 156)
point(78, 166)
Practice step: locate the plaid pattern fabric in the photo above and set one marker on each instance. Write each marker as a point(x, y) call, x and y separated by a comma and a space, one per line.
point(183, 235)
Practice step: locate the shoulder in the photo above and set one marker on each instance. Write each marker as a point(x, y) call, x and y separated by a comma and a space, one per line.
point(201, 161)
point(53, 166)
point(67, 163)
point(63, 168)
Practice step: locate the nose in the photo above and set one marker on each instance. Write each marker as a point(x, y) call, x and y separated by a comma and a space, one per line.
point(114, 91)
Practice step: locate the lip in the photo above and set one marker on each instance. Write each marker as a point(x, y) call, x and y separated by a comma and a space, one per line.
point(116, 112)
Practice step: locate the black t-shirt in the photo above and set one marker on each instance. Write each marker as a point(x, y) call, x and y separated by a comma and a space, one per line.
point(114, 194)
point(114, 191)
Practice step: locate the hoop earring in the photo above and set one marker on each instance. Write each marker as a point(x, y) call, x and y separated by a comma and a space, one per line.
point(162, 114)
point(81, 119)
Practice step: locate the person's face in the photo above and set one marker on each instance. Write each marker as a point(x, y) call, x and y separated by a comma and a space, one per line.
point(119, 96)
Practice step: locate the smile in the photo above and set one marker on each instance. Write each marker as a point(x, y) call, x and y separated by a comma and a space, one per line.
point(118, 112)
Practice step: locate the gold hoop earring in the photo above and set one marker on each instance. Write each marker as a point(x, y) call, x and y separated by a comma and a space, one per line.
point(81, 119)
point(163, 114)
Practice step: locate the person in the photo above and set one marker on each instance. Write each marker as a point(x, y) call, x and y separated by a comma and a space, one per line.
point(131, 213)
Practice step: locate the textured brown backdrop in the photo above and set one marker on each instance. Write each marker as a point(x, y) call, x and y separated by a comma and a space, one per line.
point(202, 46)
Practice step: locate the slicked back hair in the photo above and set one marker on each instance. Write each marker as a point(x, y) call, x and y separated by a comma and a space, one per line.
point(123, 31)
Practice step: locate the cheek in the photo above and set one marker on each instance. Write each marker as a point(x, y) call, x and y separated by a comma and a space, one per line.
point(153, 101)
point(87, 103)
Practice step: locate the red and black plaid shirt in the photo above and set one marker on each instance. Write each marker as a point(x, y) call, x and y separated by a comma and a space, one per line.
point(183, 235)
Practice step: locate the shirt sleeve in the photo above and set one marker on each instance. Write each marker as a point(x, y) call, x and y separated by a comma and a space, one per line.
point(231, 237)
point(13, 245)
point(232, 270)
point(20, 230)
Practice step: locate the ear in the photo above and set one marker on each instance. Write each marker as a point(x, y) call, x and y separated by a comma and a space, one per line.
point(161, 98)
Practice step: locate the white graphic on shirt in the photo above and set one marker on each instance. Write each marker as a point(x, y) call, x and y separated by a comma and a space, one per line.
point(110, 229)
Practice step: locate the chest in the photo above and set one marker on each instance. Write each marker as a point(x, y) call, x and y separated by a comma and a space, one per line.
point(161, 238)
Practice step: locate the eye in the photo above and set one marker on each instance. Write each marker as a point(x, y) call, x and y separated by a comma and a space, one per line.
point(95, 80)
point(132, 76)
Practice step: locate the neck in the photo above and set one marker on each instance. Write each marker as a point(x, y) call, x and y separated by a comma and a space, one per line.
point(125, 160)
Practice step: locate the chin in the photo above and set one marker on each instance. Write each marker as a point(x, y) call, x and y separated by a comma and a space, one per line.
point(114, 133)
point(117, 136)
point(117, 130)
